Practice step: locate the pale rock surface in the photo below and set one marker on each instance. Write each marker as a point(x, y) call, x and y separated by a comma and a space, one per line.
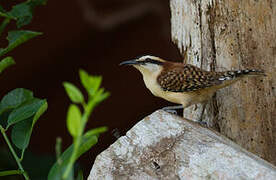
point(167, 147)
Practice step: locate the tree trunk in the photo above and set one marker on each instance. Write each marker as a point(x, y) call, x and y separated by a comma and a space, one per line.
point(226, 35)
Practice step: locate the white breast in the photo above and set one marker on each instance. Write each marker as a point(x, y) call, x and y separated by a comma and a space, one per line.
point(155, 89)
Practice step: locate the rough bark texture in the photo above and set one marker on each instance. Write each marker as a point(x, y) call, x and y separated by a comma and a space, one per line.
point(223, 35)
point(167, 147)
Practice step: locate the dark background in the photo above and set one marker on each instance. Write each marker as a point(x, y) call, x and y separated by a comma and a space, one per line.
point(96, 36)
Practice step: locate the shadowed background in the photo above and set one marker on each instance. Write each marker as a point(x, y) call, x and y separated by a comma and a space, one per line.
point(96, 36)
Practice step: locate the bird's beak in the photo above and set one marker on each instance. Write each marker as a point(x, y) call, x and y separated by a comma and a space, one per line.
point(130, 62)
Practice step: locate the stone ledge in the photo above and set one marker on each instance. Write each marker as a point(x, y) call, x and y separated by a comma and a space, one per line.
point(165, 146)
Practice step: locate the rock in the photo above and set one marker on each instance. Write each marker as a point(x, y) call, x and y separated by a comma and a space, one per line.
point(165, 146)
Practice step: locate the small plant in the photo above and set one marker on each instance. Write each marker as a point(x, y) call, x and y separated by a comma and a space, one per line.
point(76, 122)
point(19, 109)
point(22, 14)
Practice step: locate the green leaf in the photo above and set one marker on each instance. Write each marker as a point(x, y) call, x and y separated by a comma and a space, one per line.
point(21, 132)
point(57, 170)
point(97, 131)
point(90, 83)
point(74, 120)
point(73, 92)
point(16, 38)
point(41, 110)
point(3, 13)
point(6, 62)
point(85, 80)
point(25, 111)
point(22, 13)
point(4, 24)
point(15, 98)
point(101, 95)
point(96, 81)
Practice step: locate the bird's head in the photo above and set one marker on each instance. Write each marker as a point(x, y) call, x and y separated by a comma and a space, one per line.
point(146, 64)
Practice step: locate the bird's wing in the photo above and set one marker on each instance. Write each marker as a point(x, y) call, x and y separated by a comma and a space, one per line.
point(186, 78)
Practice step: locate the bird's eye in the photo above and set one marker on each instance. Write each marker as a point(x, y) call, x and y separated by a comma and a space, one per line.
point(148, 60)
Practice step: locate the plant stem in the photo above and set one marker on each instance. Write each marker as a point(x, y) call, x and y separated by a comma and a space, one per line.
point(58, 149)
point(22, 155)
point(4, 24)
point(14, 154)
point(87, 111)
point(10, 172)
point(74, 154)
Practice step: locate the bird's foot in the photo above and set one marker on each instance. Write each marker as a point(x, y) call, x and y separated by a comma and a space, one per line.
point(172, 109)
point(203, 123)
point(200, 121)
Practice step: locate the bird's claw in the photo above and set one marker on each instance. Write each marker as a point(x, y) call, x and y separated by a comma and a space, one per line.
point(170, 111)
point(202, 123)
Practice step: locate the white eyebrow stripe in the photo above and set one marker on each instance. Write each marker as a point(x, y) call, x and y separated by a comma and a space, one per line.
point(147, 56)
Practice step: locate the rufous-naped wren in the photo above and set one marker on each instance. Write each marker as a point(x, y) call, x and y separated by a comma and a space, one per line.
point(184, 84)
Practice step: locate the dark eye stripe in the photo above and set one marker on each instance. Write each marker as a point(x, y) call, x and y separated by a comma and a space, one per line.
point(148, 60)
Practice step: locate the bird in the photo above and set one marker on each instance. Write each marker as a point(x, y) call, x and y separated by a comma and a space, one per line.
point(184, 84)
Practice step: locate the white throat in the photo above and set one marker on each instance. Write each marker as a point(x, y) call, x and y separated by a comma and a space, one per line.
point(148, 68)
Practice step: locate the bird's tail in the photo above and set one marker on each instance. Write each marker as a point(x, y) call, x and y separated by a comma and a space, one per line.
point(229, 75)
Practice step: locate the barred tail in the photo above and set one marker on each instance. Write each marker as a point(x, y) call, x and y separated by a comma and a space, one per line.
point(250, 72)
point(229, 75)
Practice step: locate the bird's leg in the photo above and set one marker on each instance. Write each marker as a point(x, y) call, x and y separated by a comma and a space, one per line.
point(172, 109)
point(201, 115)
point(195, 107)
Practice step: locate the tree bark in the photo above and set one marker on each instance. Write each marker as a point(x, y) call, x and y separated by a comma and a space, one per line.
point(225, 35)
